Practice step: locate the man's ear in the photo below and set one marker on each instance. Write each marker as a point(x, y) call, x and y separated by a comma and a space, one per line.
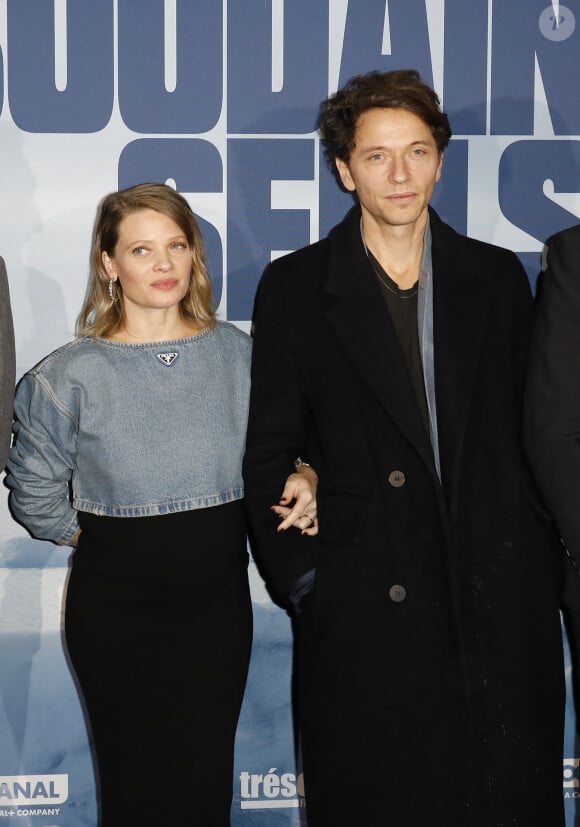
point(440, 167)
point(344, 173)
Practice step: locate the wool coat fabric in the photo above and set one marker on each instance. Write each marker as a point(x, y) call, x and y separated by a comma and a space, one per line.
point(552, 413)
point(430, 677)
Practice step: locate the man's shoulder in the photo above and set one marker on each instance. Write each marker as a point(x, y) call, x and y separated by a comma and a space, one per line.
point(571, 235)
point(445, 235)
point(310, 263)
point(295, 262)
point(297, 273)
point(492, 253)
point(561, 264)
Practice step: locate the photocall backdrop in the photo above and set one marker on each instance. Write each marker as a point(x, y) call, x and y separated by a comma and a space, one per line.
point(220, 99)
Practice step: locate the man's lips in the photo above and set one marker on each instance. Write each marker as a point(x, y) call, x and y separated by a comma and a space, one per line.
point(402, 196)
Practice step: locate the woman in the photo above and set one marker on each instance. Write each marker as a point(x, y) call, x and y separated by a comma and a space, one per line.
point(142, 418)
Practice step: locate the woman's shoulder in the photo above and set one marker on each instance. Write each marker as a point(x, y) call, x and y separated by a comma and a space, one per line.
point(232, 335)
point(69, 355)
point(59, 375)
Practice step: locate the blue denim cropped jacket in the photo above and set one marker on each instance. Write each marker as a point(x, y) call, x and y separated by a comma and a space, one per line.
point(129, 430)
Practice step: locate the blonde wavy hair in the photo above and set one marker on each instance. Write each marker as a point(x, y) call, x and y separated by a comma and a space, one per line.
point(102, 316)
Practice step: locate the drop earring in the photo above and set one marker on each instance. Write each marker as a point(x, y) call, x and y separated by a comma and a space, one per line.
point(111, 293)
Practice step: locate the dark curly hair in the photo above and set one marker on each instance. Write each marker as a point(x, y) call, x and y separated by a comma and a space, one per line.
point(401, 89)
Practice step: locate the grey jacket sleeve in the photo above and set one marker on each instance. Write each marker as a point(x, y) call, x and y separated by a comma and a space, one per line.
point(7, 366)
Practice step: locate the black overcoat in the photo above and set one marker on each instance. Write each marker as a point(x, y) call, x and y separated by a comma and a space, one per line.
point(552, 415)
point(430, 663)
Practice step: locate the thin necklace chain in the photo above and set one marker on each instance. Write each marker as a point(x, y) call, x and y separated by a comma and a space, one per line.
point(132, 335)
point(378, 273)
point(407, 294)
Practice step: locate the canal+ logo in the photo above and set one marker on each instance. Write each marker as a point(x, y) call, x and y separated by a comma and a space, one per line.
point(33, 789)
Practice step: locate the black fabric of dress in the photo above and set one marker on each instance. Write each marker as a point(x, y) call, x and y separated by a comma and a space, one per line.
point(158, 626)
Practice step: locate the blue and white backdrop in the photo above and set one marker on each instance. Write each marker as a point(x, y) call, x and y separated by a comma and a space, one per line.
point(220, 99)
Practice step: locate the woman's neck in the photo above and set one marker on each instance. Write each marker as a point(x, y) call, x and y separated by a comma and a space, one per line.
point(155, 328)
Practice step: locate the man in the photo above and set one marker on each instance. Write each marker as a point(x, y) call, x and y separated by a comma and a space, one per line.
point(552, 412)
point(390, 357)
point(7, 367)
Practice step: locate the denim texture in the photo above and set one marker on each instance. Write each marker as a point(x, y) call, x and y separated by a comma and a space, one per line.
point(113, 429)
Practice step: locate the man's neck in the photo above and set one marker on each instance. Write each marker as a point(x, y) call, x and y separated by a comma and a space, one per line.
point(398, 249)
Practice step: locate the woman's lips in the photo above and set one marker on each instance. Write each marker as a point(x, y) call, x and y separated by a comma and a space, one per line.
point(165, 284)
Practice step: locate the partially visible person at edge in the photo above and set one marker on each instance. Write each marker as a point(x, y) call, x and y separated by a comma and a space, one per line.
point(143, 417)
point(7, 366)
point(390, 355)
point(552, 413)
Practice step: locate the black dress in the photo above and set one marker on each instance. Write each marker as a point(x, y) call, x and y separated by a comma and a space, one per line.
point(158, 625)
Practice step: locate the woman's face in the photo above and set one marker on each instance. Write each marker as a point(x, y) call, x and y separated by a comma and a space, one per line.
point(151, 260)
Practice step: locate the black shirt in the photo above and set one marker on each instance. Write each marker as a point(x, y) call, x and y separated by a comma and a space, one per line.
point(402, 307)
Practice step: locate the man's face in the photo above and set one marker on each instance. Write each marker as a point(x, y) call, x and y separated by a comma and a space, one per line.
point(393, 167)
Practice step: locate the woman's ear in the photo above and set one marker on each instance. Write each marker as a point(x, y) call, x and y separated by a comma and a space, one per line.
point(108, 265)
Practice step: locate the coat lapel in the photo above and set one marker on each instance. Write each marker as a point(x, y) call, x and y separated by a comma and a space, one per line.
point(460, 308)
point(360, 319)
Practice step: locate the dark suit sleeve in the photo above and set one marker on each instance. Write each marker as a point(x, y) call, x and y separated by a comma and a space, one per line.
point(277, 434)
point(552, 401)
point(7, 369)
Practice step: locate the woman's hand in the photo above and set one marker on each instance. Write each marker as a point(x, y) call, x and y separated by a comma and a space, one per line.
point(297, 505)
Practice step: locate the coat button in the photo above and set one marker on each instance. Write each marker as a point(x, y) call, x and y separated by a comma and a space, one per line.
point(397, 593)
point(396, 479)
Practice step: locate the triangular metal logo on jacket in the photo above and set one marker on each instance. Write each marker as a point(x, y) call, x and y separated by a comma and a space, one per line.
point(167, 358)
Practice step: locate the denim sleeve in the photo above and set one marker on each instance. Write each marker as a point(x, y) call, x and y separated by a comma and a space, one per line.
point(41, 462)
